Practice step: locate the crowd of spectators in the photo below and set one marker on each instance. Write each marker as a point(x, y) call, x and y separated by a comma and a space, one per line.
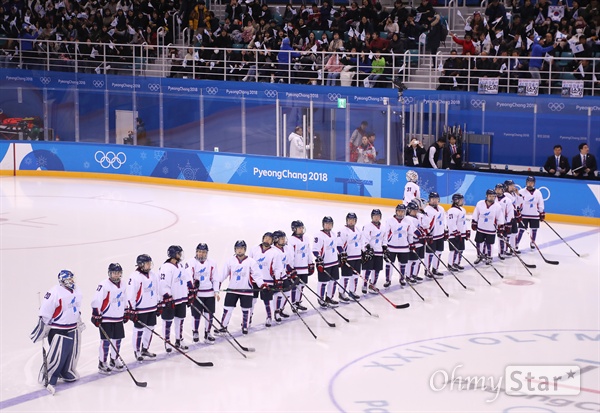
point(297, 44)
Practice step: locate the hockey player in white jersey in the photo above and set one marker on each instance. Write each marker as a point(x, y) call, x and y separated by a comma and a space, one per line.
point(206, 282)
point(456, 219)
point(396, 232)
point(487, 220)
point(373, 235)
point(264, 255)
point(302, 261)
point(60, 321)
point(244, 275)
point(516, 198)
point(326, 259)
point(533, 210)
point(509, 214)
point(108, 310)
point(283, 278)
point(411, 189)
point(142, 296)
point(176, 290)
point(349, 245)
point(436, 215)
point(416, 242)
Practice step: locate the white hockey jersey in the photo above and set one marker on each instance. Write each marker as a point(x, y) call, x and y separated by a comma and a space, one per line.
point(241, 274)
point(374, 236)
point(174, 281)
point(61, 308)
point(142, 291)
point(456, 221)
point(284, 257)
point(507, 206)
point(396, 231)
point(301, 253)
point(207, 275)
point(437, 219)
point(413, 230)
point(324, 245)
point(533, 203)
point(350, 241)
point(488, 217)
point(110, 300)
point(411, 191)
point(268, 266)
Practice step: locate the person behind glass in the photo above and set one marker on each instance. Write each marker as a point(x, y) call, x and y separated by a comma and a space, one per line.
point(433, 153)
point(584, 165)
point(413, 153)
point(298, 146)
point(557, 164)
point(452, 158)
point(366, 151)
point(356, 139)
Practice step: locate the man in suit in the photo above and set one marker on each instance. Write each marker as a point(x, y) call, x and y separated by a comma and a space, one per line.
point(452, 158)
point(557, 164)
point(584, 164)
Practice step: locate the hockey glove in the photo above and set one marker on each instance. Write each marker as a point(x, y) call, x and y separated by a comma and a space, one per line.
point(500, 231)
point(446, 235)
point(343, 256)
point(168, 301)
point(542, 216)
point(159, 309)
point(320, 266)
point(474, 225)
point(130, 314)
point(412, 247)
point(191, 296)
point(311, 268)
point(518, 216)
point(386, 253)
point(455, 234)
point(97, 320)
point(468, 234)
point(366, 255)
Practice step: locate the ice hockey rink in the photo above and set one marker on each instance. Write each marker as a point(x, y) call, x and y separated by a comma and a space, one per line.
point(404, 360)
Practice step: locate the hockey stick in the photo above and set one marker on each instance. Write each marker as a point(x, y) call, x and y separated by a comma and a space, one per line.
point(491, 265)
point(440, 260)
point(137, 383)
point(468, 262)
point(409, 284)
point(319, 297)
point(330, 324)
point(342, 289)
point(432, 276)
point(299, 316)
point(198, 363)
point(516, 254)
point(562, 239)
point(547, 261)
point(248, 349)
point(44, 353)
point(226, 338)
point(397, 306)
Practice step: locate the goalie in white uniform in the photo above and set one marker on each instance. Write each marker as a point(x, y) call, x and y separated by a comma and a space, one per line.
point(411, 189)
point(60, 321)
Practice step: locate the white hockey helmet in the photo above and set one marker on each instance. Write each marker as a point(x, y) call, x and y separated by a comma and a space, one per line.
point(412, 176)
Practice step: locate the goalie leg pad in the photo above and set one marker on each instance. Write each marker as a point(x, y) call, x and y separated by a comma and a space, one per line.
point(59, 356)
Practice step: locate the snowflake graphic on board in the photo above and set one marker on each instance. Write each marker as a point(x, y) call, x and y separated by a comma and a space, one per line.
point(392, 177)
point(588, 212)
point(41, 161)
point(86, 165)
point(469, 199)
point(54, 150)
point(426, 188)
point(165, 170)
point(160, 156)
point(188, 173)
point(242, 169)
point(135, 169)
point(28, 161)
point(458, 184)
point(143, 155)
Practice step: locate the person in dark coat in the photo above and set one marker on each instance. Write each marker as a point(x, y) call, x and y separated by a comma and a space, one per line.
point(557, 164)
point(452, 158)
point(414, 153)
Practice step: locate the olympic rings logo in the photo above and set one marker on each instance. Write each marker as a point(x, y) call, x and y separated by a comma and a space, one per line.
point(154, 87)
point(405, 100)
point(333, 96)
point(477, 104)
point(98, 83)
point(110, 159)
point(556, 107)
point(212, 90)
point(271, 93)
point(45, 80)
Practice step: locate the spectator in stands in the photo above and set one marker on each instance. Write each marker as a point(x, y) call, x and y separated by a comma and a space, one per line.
point(435, 35)
point(391, 27)
point(496, 15)
point(400, 13)
point(377, 69)
point(557, 164)
point(450, 72)
point(356, 139)
point(434, 153)
point(377, 43)
point(333, 68)
point(414, 153)
point(452, 158)
point(425, 14)
point(584, 164)
point(537, 52)
point(336, 43)
point(467, 44)
point(411, 32)
point(476, 26)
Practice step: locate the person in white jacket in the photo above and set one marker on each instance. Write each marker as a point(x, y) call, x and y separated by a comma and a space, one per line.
point(298, 146)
